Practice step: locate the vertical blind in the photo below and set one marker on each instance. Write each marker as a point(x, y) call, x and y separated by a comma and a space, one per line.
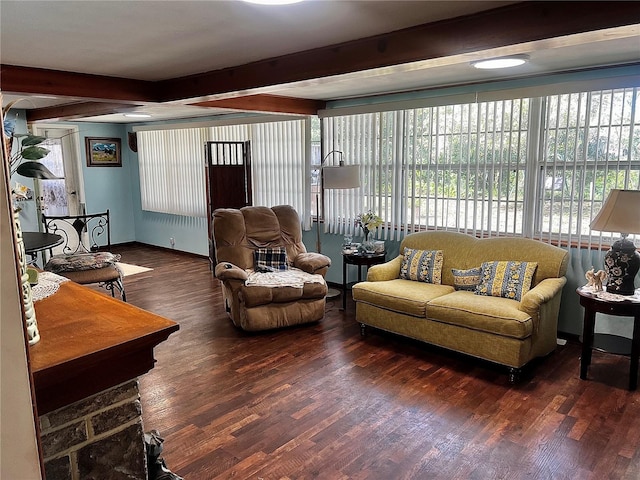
point(172, 173)
point(591, 145)
point(536, 167)
point(278, 158)
point(457, 167)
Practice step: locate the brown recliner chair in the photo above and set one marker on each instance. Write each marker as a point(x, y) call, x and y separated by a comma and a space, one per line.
point(241, 236)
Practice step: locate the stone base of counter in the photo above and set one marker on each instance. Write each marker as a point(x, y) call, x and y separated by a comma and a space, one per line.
point(99, 437)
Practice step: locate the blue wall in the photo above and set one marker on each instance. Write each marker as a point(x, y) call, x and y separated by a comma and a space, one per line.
point(109, 187)
point(105, 187)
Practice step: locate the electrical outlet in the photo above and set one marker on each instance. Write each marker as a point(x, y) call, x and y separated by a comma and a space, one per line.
point(172, 241)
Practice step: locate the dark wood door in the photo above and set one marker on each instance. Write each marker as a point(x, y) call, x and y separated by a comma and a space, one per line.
point(228, 180)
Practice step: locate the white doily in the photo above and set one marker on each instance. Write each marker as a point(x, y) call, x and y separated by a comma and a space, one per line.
point(292, 277)
point(48, 284)
point(611, 297)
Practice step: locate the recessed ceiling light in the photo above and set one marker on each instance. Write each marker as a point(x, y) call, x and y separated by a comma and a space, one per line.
point(137, 115)
point(501, 62)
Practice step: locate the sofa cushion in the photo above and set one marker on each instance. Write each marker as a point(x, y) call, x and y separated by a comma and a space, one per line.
point(466, 279)
point(488, 314)
point(271, 258)
point(422, 265)
point(399, 295)
point(506, 279)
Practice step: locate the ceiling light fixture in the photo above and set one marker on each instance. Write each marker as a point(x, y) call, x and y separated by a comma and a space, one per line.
point(501, 62)
point(137, 115)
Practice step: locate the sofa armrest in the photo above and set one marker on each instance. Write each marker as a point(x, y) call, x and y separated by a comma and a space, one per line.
point(545, 291)
point(385, 271)
point(311, 262)
point(229, 271)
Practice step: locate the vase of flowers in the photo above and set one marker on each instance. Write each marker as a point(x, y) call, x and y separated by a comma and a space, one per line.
point(368, 221)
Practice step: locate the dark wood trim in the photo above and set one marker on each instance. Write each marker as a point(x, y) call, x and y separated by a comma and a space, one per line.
point(267, 103)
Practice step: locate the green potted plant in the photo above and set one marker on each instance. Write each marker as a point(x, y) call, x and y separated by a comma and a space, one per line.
point(23, 157)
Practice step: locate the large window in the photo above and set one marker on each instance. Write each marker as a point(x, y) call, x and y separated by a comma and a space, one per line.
point(591, 144)
point(538, 167)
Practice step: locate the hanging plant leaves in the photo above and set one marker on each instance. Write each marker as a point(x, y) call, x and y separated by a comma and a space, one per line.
point(34, 153)
point(35, 170)
point(32, 140)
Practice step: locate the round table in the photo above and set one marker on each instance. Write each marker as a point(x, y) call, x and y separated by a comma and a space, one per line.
point(35, 242)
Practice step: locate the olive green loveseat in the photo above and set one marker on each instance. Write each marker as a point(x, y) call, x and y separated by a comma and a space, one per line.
point(501, 330)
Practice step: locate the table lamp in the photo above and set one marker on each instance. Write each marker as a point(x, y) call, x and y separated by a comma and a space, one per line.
point(620, 213)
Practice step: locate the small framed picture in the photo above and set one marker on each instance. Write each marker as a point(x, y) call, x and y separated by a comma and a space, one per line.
point(103, 152)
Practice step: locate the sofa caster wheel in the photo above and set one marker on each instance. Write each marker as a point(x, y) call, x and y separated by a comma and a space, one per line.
point(363, 330)
point(514, 375)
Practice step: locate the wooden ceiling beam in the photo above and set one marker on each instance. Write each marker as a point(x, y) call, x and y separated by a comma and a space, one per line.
point(76, 110)
point(509, 25)
point(39, 81)
point(267, 103)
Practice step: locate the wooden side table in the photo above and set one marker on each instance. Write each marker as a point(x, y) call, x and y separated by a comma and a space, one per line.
point(626, 308)
point(361, 260)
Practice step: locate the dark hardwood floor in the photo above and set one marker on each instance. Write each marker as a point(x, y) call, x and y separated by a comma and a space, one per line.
point(321, 402)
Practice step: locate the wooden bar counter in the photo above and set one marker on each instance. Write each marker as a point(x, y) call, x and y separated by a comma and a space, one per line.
point(90, 342)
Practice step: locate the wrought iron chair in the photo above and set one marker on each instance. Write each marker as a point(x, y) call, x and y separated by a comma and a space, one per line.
point(84, 256)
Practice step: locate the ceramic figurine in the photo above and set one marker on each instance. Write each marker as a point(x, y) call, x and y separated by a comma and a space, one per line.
point(594, 280)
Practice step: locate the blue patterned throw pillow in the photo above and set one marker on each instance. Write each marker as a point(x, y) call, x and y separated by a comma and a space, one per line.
point(422, 265)
point(271, 259)
point(466, 279)
point(506, 279)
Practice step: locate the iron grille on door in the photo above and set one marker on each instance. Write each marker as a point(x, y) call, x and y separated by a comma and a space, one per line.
point(228, 180)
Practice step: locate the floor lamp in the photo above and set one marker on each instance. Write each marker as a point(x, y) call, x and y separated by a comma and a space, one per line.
point(334, 177)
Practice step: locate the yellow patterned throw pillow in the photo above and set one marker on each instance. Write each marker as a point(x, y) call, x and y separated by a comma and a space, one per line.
point(466, 279)
point(422, 265)
point(506, 279)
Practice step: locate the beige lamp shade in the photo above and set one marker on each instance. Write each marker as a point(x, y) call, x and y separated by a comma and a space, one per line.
point(341, 177)
point(620, 213)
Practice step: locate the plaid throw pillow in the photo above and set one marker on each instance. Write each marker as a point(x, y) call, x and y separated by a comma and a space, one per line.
point(466, 279)
point(506, 279)
point(422, 265)
point(271, 258)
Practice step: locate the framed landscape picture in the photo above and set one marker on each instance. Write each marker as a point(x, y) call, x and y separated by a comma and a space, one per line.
point(103, 152)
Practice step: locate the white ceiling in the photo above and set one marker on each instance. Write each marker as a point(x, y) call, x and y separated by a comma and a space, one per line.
point(158, 40)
